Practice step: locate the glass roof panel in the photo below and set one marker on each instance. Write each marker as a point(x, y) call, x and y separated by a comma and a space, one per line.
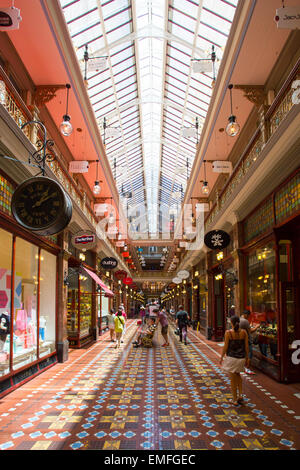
point(152, 100)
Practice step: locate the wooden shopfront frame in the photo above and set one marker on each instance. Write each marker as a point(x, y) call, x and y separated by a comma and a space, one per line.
point(15, 378)
point(281, 369)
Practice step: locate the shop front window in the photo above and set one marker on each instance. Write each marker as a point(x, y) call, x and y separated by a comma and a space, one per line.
point(86, 286)
point(72, 317)
point(261, 299)
point(25, 304)
point(47, 303)
point(5, 299)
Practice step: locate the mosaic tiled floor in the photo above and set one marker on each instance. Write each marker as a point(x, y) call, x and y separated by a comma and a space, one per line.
point(152, 399)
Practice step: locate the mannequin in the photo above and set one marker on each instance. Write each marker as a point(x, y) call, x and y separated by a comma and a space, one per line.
point(4, 328)
point(43, 322)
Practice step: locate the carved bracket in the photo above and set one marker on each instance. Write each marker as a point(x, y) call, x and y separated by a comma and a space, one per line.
point(45, 93)
point(254, 93)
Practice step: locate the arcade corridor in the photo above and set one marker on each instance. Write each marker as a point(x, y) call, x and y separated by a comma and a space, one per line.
point(148, 399)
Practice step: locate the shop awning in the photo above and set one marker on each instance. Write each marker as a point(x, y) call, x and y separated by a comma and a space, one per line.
point(97, 279)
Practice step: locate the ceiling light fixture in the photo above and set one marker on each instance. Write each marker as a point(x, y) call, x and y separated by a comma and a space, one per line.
point(233, 127)
point(97, 187)
point(66, 127)
point(205, 188)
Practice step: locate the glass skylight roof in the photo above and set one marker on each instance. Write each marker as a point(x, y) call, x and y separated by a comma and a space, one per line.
point(148, 89)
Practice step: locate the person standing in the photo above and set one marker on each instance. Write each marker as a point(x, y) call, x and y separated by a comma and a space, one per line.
point(119, 326)
point(111, 323)
point(245, 325)
point(236, 350)
point(163, 320)
point(124, 315)
point(182, 320)
point(142, 314)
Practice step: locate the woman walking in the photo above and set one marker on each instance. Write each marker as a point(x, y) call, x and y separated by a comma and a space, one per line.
point(119, 326)
point(111, 323)
point(236, 350)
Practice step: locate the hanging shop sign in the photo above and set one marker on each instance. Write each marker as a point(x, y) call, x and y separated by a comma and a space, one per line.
point(217, 239)
point(288, 17)
point(84, 240)
point(109, 263)
point(125, 254)
point(183, 274)
point(177, 280)
point(120, 274)
point(127, 280)
point(41, 205)
point(79, 167)
point(120, 244)
point(222, 167)
point(9, 18)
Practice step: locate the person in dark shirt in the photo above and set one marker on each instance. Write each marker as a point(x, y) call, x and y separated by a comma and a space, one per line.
point(182, 320)
point(245, 325)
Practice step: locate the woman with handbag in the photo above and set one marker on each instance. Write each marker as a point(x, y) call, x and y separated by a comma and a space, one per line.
point(236, 349)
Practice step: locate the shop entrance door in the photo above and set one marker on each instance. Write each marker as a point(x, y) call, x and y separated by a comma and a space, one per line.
point(290, 364)
point(219, 311)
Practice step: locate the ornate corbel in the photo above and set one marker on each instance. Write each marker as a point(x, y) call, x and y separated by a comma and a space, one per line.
point(45, 93)
point(254, 93)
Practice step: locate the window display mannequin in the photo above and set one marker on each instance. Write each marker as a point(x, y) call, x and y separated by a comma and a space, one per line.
point(4, 328)
point(42, 329)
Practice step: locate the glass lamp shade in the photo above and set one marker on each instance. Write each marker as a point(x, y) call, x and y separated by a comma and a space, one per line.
point(233, 127)
point(205, 188)
point(97, 188)
point(66, 127)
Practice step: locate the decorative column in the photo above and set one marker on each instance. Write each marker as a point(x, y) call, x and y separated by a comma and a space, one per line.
point(95, 331)
point(62, 298)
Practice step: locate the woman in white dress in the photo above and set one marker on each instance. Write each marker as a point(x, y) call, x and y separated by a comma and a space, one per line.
point(236, 350)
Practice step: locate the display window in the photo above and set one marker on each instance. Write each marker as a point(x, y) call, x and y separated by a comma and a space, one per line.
point(47, 301)
point(261, 299)
point(86, 286)
point(80, 306)
point(5, 300)
point(27, 303)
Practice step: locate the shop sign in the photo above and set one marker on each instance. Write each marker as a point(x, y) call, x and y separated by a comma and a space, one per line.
point(84, 240)
point(288, 17)
point(79, 167)
point(183, 274)
point(217, 239)
point(127, 280)
point(120, 244)
point(109, 263)
point(120, 274)
point(222, 167)
point(177, 280)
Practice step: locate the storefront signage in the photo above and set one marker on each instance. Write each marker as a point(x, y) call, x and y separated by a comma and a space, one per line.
point(109, 263)
point(217, 239)
point(84, 240)
point(183, 274)
point(288, 17)
point(127, 280)
point(177, 280)
point(222, 167)
point(79, 167)
point(120, 274)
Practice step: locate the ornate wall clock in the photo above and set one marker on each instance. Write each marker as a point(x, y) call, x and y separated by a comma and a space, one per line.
point(41, 205)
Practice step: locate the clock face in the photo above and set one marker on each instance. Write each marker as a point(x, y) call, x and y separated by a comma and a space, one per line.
point(39, 203)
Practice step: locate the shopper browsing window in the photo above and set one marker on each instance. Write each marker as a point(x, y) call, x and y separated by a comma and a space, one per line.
point(245, 325)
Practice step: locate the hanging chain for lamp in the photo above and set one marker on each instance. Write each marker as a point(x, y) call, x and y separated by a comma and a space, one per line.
point(66, 127)
point(233, 127)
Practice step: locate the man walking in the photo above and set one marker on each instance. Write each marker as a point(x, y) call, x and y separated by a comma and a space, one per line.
point(182, 320)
